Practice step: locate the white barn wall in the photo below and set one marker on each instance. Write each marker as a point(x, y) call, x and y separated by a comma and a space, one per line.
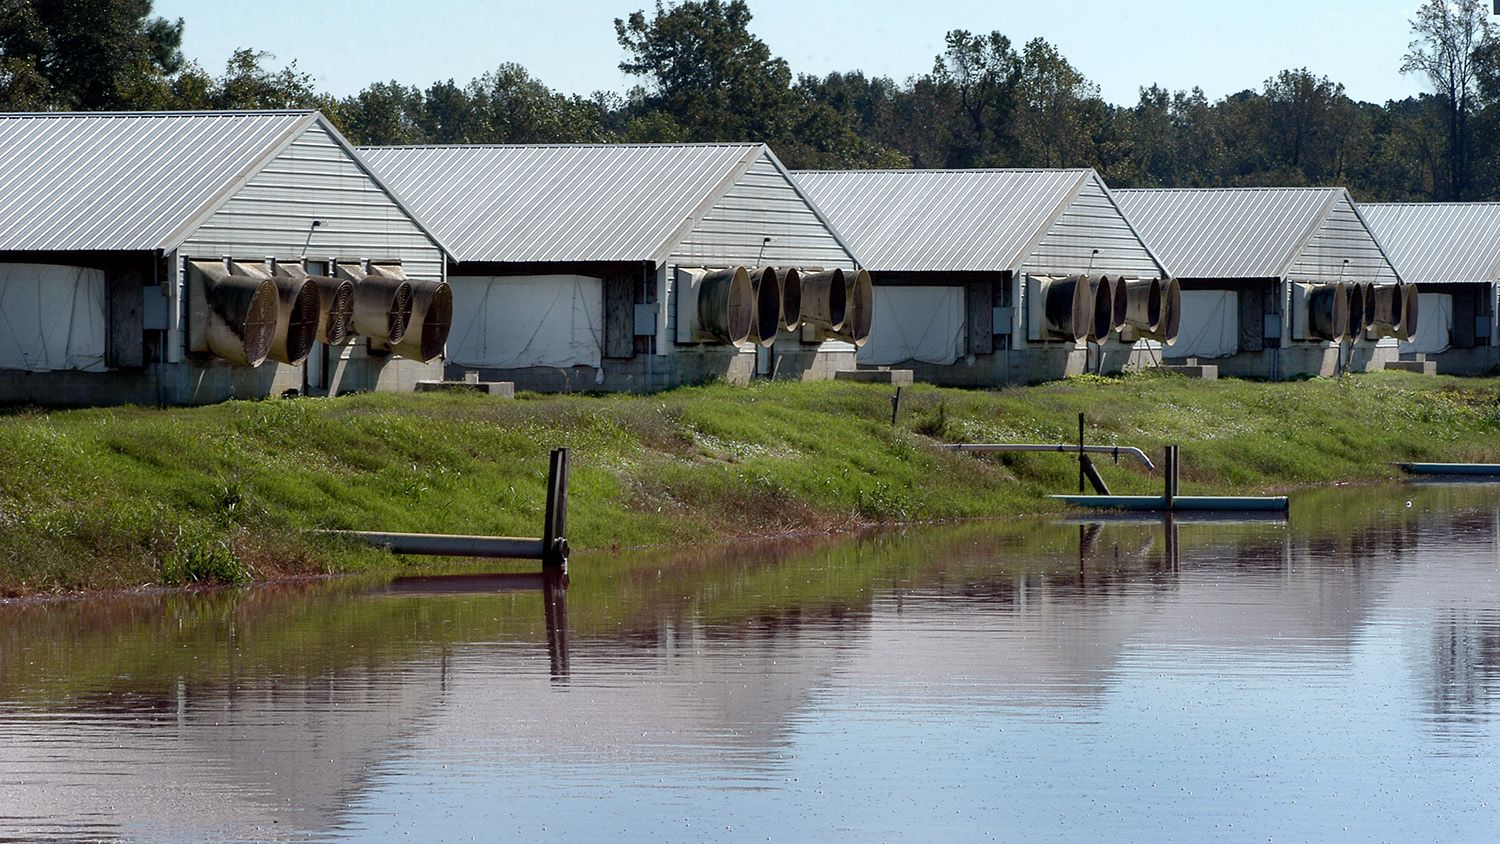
point(1090, 221)
point(761, 203)
point(1342, 236)
point(314, 178)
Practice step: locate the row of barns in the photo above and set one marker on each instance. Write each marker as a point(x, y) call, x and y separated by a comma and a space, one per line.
point(189, 257)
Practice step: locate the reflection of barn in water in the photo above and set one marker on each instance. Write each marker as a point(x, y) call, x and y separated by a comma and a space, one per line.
point(1460, 663)
point(687, 661)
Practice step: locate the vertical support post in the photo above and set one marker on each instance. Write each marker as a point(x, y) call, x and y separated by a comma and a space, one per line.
point(555, 519)
point(1176, 470)
point(1080, 454)
point(1169, 467)
point(896, 405)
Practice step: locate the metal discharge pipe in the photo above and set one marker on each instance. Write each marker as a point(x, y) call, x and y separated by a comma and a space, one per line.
point(1067, 308)
point(765, 290)
point(1390, 309)
point(336, 316)
point(1361, 309)
point(1328, 311)
point(382, 303)
point(862, 295)
point(825, 299)
point(1356, 293)
point(1143, 304)
point(726, 305)
point(1118, 303)
point(1153, 308)
point(791, 299)
point(1409, 319)
point(1063, 448)
point(1101, 315)
point(859, 296)
point(1171, 311)
point(446, 545)
point(1367, 319)
point(298, 304)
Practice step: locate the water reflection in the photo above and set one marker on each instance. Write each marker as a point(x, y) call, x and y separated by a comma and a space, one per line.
point(552, 584)
point(1334, 676)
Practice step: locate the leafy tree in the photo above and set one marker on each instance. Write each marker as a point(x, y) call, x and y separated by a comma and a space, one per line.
point(1310, 125)
point(246, 83)
point(704, 67)
point(1404, 158)
point(447, 116)
point(85, 54)
point(1452, 36)
point(654, 127)
point(1053, 124)
point(985, 73)
point(384, 114)
point(513, 107)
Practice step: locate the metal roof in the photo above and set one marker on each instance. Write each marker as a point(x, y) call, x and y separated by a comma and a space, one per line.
point(942, 220)
point(1439, 241)
point(562, 203)
point(1228, 232)
point(138, 181)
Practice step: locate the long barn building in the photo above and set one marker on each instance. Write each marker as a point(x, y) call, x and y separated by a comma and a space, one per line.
point(958, 256)
point(1245, 258)
point(571, 265)
point(1452, 250)
point(164, 258)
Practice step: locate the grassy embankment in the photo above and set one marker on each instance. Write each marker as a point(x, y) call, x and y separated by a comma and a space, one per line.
point(123, 497)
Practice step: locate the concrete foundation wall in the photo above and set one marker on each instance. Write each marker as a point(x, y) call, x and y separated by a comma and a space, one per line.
point(1034, 364)
point(686, 365)
point(1303, 359)
point(1480, 361)
point(206, 382)
point(1045, 363)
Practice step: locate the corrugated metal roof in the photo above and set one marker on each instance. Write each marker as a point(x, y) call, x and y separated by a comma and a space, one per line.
point(1439, 241)
point(1227, 232)
point(115, 181)
point(582, 202)
point(942, 220)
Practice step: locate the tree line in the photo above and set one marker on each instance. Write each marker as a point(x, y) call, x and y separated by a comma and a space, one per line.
point(703, 75)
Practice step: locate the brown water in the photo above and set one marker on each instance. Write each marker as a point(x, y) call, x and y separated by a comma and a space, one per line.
point(1332, 678)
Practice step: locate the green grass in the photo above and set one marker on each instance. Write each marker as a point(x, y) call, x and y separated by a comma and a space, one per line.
point(111, 498)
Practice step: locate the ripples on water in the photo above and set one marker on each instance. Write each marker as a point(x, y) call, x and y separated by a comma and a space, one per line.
point(1335, 679)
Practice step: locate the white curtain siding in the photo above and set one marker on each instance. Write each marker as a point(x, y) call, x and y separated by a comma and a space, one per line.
point(916, 323)
point(52, 318)
point(1210, 326)
point(1434, 324)
point(517, 322)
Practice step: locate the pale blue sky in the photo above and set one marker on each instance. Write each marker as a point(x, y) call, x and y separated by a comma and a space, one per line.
point(570, 44)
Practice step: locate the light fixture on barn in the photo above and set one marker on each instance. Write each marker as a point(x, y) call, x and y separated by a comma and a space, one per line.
point(762, 254)
point(308, 242)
